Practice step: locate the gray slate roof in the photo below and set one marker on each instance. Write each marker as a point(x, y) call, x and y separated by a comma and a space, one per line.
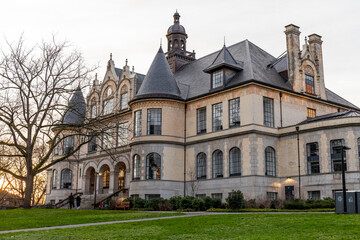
point(75, 113)
point(138, 80)
point(224, 58)
point(337, 115)
point(159, 81)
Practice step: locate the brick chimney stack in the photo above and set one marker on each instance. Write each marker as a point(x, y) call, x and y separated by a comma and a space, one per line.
point(293, 54)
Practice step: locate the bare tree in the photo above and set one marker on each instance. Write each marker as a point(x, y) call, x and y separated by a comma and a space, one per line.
point(35, 86)
point(194, 182)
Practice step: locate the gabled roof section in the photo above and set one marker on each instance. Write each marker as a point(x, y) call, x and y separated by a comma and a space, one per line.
point(224, 59)
point(159, 81)
point(76, 110)
point(337, 115)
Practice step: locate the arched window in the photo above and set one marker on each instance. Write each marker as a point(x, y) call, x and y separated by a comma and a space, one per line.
point(153, 166)
point(176, 43)
point(66, 176)
point(54, 179)
point(136, 167)
point(106, 177)
point(309, 80)
point(182, 45)
point(93, 108)
point(217, 164)
point(201, 166)
point(123, 98)
point(235, 162)
point(108, 102)
point(270, 162)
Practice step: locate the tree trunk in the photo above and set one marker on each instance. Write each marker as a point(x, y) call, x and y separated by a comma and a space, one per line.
point(28, 190)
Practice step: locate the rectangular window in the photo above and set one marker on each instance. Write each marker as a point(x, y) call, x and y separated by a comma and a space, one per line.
point(201, 120)
point(272, 196)
point(268, 112)
point(108, 106)
point(309, 84)
point(311, 113)
point(234, 112)
point(124, 101)
point(151, 196)
point(336, 149)
point(68, 145)
point(312, 150)
point(217, 79)
point(314, 195)
point(200, 196)
point(137, 126)
point(217, 117)
point(122, 134)
point(108, 139)
point(92, 145)
point(93, 111)
point(216, 195)
point(134, 196)
point(57, 147)
point(154, 121)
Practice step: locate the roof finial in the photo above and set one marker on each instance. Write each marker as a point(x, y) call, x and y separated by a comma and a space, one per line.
point(133, 69)
point(160, 42)
point(110, 56)
point(224, 41)
point(95, 76)
point(126, 62)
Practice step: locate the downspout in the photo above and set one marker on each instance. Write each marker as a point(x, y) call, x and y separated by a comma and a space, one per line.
point(281, 116)
point(298, 148)
point(185, 151)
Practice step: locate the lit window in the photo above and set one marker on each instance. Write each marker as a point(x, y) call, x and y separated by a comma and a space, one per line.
point(234, 112)
point(154, 121)
point(270, 162)
point(235, 162)
point(268, 112)
point(124, 101)
point(309, 84)
point(137, 123)
point(66, 175)
point(108, 106)
point(68, 145)
point(313, 158)
point(136, 167)
point(217, 164)
point(336, 149)
point(123, 135)
point(201, 166)
point(106, 177)
point(217, 79)
point(201, 120)
point(153, 166)
point(311, 113)
point(217, 117)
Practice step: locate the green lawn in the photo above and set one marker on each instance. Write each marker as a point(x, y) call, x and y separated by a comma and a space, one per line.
point(33, 218)
point(241, 226)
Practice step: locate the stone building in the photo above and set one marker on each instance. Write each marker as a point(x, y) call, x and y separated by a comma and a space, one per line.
point(236, 119)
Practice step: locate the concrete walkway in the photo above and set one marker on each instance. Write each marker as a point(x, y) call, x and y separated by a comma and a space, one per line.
point(187, 214)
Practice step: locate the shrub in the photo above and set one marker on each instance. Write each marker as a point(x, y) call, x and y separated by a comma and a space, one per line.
point(198, 204)
point(139, 203)
point(207, 202)
point(164, 205)
point(216, 203)
point(186, 202)
point(251, 203)
point(295, 204)
point(235, 200)
point(175, 202)
point(154, 203)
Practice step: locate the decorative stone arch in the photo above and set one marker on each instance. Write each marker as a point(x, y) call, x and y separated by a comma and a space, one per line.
point(106, 161)
point(105, 170)
point(108, 91)
point(89, 170)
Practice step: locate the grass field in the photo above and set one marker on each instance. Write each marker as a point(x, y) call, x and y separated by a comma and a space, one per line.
point(240, 226)
point(34, 218)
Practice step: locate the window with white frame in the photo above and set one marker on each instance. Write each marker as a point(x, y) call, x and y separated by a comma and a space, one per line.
point(270, 162)
point(234, 112)
point(268, 111)
point(123, 134)
point(216, 195)
point(218, 79)
point(217, 117)
point(217, 164)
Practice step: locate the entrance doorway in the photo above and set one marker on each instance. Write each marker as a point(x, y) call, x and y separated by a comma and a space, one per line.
point(121, 176)
point(92, 181)
point(289, 192)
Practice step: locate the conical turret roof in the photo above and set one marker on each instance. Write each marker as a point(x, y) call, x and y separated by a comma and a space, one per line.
point(75, 113)
point(224, 58)
point(159, 81)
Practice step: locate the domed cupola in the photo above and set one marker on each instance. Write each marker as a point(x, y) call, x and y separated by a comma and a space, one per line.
point(76, 110)
point(159, 81)
point(176, 27)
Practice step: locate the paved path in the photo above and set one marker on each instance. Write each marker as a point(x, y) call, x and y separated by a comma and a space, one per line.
point(187, 214)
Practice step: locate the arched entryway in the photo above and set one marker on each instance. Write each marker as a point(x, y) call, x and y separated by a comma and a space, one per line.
point(120, 174)
point(90, 180)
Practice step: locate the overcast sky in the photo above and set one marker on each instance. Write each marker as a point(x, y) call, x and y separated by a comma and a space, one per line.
point(133, 29)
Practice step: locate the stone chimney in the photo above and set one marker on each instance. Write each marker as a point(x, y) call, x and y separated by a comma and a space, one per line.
point(315, 43)
point(293, 54)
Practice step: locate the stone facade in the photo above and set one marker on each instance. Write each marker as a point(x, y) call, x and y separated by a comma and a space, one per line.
point(178, 144)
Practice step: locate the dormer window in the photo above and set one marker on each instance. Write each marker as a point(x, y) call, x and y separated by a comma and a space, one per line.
point(309, 80)
point(218, 79)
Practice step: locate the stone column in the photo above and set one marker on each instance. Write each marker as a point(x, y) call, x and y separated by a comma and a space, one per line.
point(293, 49)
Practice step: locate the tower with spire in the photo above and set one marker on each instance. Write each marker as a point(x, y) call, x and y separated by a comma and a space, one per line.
point(176, 36)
